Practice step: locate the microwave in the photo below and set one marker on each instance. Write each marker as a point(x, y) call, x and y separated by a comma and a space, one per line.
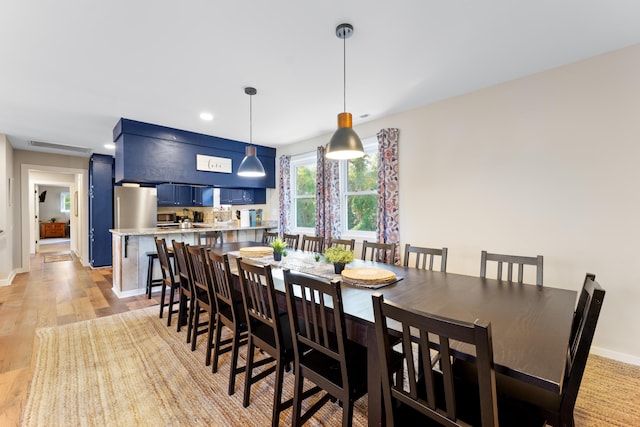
point(166, 217)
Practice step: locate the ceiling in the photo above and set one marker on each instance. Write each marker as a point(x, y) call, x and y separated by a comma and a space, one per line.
point(70, 69)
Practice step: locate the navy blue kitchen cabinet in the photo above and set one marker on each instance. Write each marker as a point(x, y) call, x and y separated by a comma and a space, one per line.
point(101, 170)
point(184, 195)
point(152, 154)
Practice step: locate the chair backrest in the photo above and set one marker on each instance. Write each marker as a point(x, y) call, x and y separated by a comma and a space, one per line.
point(312, 243)
point(381, 252)
point(184, 268)
point(259, 298)
point(269, 236)
point(314, 324)
point(521, 261)
point(424, 255)
point(291, 240)
point(202, 283)
point(226, 294)
point(350, 243)
point(212, 238)
point(165, 266)
point(582, 331)
point(417, 328)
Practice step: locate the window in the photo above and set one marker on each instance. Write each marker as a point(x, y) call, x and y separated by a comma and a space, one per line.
point(359, 192)
point(65, 202)
point(303, 192)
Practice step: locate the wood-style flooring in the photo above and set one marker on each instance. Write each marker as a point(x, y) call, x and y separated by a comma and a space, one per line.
point(51, 294)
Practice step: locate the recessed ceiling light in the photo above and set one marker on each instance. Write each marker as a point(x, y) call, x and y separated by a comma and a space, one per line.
point(206, 116)
point(110, 146)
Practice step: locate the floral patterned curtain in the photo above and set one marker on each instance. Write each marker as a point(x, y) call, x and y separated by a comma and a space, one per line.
point(327, 196)
point(285, 193)
point(388, 218)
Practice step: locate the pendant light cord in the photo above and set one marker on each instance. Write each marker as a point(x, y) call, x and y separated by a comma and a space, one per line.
point(251, 119)
point(344, 73)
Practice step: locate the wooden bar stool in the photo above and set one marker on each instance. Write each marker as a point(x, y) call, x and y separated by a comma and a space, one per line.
point(151, 282)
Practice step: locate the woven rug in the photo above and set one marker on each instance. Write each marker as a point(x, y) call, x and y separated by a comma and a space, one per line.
point(131, 370)
point(58, 257)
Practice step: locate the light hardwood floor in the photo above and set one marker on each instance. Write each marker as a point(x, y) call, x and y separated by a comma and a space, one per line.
point(51, 294)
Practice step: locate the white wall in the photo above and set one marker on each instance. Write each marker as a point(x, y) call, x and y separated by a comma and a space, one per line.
point(546, 164)
point(7, 201)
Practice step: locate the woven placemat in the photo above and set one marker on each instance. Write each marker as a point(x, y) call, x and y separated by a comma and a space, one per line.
point(368, 276)
point(256, 252)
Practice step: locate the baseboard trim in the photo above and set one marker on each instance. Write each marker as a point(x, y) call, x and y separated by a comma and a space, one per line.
point(9, 279)
point(131, 293)
point(620, 357)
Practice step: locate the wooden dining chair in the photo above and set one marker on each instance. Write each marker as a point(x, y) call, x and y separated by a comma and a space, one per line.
point(212, 238)
point(323, 355)
point(204, 299)
point(185, 274)
point(350, 243)
point(269, 332)
point(510, 260)
point(381, 252)
point(424, 255)
point(291, 240)
point(269, 236)
point(425, 394)
point(558, 408)
point(169, 280)
point(312, 243)
point(230, 313)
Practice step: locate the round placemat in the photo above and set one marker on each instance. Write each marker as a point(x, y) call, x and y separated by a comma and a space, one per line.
point(256, 251)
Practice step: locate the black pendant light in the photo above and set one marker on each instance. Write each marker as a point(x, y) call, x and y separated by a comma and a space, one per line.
point(251, 166)
point(345, 143)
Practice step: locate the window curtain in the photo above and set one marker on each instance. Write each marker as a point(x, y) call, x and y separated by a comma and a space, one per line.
point(285, 193)
point(327, 196)
point(388, 218)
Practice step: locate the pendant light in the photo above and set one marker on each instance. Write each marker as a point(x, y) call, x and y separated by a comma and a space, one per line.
point(251, 166)
point(345, 143)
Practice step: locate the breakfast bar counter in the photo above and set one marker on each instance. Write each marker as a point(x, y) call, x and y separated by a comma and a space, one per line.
point(130, 248)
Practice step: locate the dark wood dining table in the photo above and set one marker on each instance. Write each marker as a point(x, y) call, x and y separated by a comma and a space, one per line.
point(530, 324)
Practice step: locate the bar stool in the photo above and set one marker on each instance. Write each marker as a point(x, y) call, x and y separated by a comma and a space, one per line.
point(151, 282)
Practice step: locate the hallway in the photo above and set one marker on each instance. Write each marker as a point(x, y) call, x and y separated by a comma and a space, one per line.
point(51, 294)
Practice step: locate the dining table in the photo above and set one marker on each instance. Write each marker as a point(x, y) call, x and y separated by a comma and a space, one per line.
point(530, 324)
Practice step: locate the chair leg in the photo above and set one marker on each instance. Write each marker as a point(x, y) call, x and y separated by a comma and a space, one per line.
point(347, 413)
point(162, 296)
point(296, 411)
point(216, 346)
point(149, 277)
point(248, 372)
point(277, 394)
point(171, 302)
point(234, 361)
point(214, 327)
point(194, 327)
point(192, 305)
point(182, 309)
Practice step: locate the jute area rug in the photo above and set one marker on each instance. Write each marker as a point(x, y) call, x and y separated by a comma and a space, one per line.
point(131, 370)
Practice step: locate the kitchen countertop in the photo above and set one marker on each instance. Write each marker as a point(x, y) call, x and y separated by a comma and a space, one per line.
point(198, 227)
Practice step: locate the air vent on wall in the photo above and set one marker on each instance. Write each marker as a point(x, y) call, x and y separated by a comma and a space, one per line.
point(59, 147)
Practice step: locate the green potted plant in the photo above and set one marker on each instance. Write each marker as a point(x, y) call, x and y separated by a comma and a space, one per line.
point(278, 246)
point(52, 219)
point(339, 256)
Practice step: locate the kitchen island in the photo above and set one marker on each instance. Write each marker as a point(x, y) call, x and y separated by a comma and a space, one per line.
point(130, 247)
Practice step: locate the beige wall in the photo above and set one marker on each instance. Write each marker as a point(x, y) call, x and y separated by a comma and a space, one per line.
point(546, 164)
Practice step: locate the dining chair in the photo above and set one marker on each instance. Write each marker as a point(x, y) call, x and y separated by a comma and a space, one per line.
point(269, 236)
point(291, 240)
point(426, 395)
point(350, 243)
point(381, 252)
point(185, 274)
point(312, 243)
point(212, 238)
point(322, 353)
point(510, 260)
point(168, 280)
point(204, 299)
point(269, 332)
point(558, 408)
point(424, 255)
point(230, 313)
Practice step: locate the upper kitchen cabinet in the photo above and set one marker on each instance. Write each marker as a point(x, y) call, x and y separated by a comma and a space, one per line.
point(148, 153)
point(184, 195)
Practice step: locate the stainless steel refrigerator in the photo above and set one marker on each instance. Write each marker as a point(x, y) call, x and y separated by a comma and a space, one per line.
point(135, 207)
